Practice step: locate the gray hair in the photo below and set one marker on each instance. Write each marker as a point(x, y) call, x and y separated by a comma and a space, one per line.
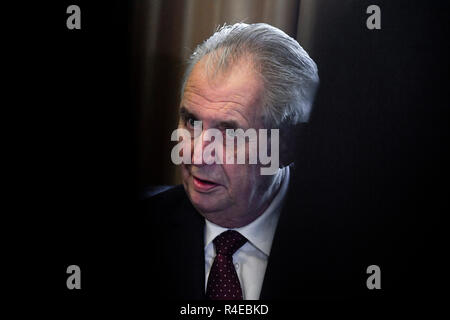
point(289, 75)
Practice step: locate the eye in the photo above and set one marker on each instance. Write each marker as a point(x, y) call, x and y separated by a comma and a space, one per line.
point(230, 133)
point(190, 122)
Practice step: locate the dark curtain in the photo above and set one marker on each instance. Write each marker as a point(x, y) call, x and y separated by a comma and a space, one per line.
point(165, 34)
point(375, 145)
point(374, 152)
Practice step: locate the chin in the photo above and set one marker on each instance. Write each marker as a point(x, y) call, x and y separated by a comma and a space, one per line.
point(206, 203)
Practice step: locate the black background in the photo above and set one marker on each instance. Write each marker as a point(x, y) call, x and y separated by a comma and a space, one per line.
point(375, 149)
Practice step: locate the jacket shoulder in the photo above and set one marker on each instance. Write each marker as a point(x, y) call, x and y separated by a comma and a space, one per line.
point(163, 204)
point(164, 196)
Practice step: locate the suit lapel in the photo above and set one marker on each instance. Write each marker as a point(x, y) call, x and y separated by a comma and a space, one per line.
point(283, 269)
point(274, 279)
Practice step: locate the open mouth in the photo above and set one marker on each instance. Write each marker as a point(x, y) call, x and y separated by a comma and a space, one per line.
point(203, 185)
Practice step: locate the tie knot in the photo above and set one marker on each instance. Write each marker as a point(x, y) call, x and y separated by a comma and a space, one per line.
point(228, 242)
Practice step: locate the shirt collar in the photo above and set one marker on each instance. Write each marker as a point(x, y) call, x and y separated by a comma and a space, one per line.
point(261, 231)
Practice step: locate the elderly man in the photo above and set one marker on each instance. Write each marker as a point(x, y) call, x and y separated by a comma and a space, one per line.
point(230, 232)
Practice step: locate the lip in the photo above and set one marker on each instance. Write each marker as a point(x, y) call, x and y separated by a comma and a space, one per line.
point(202, 185)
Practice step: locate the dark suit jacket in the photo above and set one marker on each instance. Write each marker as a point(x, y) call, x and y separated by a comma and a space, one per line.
point(321, 249)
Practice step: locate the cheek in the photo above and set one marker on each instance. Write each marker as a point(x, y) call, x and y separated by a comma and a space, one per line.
point(238, 176)
point(184, 173)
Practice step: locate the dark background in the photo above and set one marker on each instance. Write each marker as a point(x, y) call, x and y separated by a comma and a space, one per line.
point(375, 151)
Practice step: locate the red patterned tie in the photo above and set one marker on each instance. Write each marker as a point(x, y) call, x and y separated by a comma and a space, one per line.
point(223, 281)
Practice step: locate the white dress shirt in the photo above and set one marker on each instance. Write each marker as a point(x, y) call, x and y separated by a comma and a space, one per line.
point(250, 260)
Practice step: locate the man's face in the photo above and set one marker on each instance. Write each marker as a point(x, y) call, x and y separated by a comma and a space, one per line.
point(230, 195)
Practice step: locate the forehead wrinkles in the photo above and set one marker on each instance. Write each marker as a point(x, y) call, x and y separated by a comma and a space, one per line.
point(213, 95)
point(233, 109)
point(238, 92)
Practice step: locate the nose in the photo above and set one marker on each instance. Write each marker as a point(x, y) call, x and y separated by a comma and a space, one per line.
point(199, 158)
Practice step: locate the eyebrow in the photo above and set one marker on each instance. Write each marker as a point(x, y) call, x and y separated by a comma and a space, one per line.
point(228, 124)
point(186, 114)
